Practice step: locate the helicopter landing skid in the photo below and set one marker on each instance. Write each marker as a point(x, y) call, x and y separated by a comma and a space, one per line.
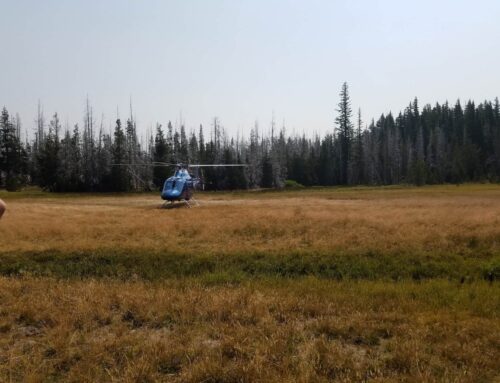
point(189, 203)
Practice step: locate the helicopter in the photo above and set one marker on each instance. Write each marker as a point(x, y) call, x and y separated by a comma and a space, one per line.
point(182, 184)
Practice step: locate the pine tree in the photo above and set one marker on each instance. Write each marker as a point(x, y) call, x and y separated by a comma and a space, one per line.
point(119, 174)
point(64, 171)
point(183, 146)
point(133, 155)
point(170, 143)
point(326, 170)
point(160, 154)
point(177, 147)
point(12, 154)
point(344, 132)
point(48, 157)
point(104, 161)
point(201, 144)
point(194, 150)
point(357, 163)
point(267, 172)
point(254, 158)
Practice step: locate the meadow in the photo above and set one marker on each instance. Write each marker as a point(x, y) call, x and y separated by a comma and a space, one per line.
point(344, 284)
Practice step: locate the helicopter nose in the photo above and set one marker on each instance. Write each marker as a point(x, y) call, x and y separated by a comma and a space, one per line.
point(170, 194)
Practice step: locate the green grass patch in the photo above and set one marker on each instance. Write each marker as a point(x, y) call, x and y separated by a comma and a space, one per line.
point(234, 268)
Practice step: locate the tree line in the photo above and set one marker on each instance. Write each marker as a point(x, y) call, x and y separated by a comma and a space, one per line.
point(436, 144)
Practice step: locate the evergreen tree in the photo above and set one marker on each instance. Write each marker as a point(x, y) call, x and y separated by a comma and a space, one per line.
point(194, 150)
point(119, 174)
point(183, 146)
point(357, 161)
point(70, 178)
point(48, 158)
point(12, 155)
point(344, 132)
point(267, 172)
point(160, 154)
point(177, 147)
point(201, 145)
point(133, 155)
point(88, 150)
point(104, 161)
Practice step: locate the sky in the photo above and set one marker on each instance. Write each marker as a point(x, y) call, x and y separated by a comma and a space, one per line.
point(243, 60)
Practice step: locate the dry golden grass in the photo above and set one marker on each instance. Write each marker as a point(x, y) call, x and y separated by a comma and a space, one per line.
point(283, 331)
point(243, 322)
point(434, 219)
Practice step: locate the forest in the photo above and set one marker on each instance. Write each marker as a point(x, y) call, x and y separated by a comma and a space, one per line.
point(430, 145)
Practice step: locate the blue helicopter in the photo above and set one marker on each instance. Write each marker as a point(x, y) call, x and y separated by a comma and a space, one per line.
point(181, 186)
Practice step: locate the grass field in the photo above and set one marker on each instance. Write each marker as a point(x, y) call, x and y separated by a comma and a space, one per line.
point(346, 284)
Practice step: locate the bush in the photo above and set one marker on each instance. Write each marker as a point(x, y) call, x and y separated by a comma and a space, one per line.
point(13, 183)
point(291, 184)
point(491, 271)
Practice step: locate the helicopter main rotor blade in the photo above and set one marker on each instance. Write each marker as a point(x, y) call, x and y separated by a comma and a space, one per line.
point(163, 164)
point(181, 165)
point(150, 164)
point(215, 165)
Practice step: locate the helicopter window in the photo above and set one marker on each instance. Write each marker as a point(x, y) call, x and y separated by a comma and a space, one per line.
point(179, 185)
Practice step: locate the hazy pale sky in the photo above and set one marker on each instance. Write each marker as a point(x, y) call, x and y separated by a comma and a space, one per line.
point(242, 60)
